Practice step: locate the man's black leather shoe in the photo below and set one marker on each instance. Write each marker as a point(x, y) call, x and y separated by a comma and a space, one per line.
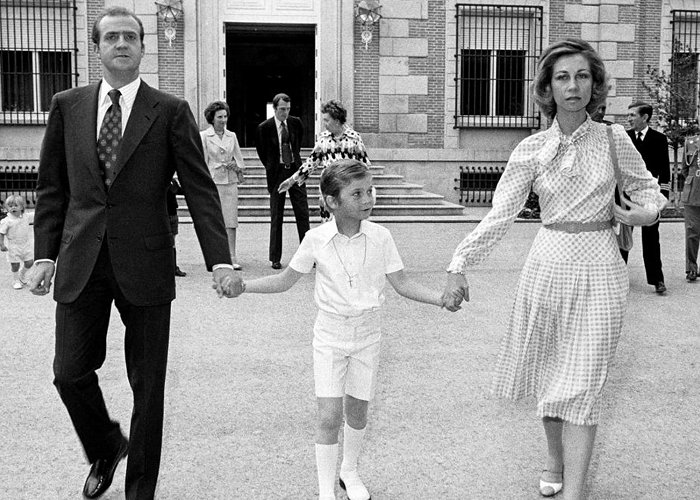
point(180, 273)
point(102, 472)
point(276, 265)
point(660, 287)
point(691, 276)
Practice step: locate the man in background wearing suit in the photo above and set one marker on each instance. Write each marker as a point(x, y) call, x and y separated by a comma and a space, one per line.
point(109, 153)
point(278, 142)
point(653, 146)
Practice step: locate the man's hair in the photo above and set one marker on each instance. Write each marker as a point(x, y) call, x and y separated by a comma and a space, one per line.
point(541, 87)
point(644, 109)
point(341, 173)
point(15, 199)
point(114, 12)
point(212, 109)
point(335, 110)
point(280, 97)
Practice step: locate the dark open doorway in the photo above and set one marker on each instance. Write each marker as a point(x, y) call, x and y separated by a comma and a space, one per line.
point(263, 60)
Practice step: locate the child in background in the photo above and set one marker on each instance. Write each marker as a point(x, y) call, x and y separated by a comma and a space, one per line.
point(353, 258)
point(16, 239)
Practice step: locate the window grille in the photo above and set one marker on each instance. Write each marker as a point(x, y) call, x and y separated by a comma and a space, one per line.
point(476, 185)
point(684, 63)
point(38, 52)
point(497, 51)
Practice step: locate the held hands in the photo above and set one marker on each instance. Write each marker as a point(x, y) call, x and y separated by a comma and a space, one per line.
point(3, 248)
point(637, 215)
point(40, 283)
point(285, 185)
point(456, 290)
point(227, 283)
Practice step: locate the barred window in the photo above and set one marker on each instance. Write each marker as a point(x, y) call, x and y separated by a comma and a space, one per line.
point(38, 53)
point(497, 51)
point(684, 63)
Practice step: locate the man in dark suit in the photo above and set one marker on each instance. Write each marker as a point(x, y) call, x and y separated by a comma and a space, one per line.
point(278, 142)
point(653, 146)
point(109, 153)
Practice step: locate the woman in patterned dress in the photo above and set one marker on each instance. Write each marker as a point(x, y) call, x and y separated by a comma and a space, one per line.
point(337, 142)
point(225, 161)
point(572, 293)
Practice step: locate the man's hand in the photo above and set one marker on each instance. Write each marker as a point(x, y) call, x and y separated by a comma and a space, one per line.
point(3, 248)
point(456, 290)
point(285, 185)
point(227, 282)
point(40, 283)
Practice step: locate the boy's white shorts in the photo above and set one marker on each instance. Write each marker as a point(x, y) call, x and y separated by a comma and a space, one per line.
point(346, 354)
point(20, 252)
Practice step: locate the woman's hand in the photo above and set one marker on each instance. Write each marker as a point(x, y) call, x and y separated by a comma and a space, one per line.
point(231, 166)
point(637, 215)
point(456, 290)
point(285, 185)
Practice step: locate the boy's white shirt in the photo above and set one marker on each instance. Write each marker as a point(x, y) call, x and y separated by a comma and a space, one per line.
point(336, 256)
point(11, 221)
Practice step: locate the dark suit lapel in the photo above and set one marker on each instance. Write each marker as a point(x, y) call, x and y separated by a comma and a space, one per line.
point(84, 130)
point(275, 140)
point(140, 120)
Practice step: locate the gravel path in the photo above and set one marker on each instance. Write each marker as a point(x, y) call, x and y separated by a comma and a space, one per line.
point(240, 405)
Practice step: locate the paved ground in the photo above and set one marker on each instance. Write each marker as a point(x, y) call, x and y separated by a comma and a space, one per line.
point(240, 406)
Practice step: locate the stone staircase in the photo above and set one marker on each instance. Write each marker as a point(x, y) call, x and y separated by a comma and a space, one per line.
point(397, 200)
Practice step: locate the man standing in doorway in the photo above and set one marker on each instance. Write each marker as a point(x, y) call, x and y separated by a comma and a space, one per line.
point(109, 153)
point(278, 142)
point(653, 146)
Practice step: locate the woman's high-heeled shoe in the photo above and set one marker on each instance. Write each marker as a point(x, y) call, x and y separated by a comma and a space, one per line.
point(549, 489)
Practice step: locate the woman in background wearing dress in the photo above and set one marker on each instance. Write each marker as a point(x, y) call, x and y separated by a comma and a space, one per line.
point(572, 293)
point(225, 162)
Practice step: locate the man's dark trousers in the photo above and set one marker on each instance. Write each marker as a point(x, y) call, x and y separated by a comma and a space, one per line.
point(81, 333)
point(651, 252)
point(297, 195)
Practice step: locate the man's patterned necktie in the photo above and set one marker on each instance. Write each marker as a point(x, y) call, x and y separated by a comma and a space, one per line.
point(109, 138)
point(286, 147)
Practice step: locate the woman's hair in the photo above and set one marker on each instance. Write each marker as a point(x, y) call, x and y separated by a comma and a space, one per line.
point(340, 174)
point(211, 110)
point(15, 199)
point(541, 86)
point(335, 110)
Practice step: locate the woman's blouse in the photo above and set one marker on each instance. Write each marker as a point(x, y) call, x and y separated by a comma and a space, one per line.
point(330, 148)
point(575, 181)
point(218, 151)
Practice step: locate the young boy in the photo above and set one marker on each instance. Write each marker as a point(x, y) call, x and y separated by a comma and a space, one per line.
point(353, 258)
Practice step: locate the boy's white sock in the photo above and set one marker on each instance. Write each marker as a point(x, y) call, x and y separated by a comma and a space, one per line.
point(326, 460)
point(352, 446)
point(23, 275)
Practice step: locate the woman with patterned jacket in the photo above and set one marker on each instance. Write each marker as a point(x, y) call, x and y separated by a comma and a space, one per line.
point(337, 142)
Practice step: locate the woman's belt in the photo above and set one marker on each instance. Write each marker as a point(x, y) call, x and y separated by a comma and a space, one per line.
point(579, 227)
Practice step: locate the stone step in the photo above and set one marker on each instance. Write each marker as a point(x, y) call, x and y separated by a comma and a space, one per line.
point(262, 212)
point(260, 189)
point(313, 180)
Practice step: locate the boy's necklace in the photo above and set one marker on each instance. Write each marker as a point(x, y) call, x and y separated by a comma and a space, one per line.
point(364, 259)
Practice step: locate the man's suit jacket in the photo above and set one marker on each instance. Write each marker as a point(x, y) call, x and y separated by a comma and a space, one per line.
point(75, 211)
point(267, 145)
point(654, 151)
